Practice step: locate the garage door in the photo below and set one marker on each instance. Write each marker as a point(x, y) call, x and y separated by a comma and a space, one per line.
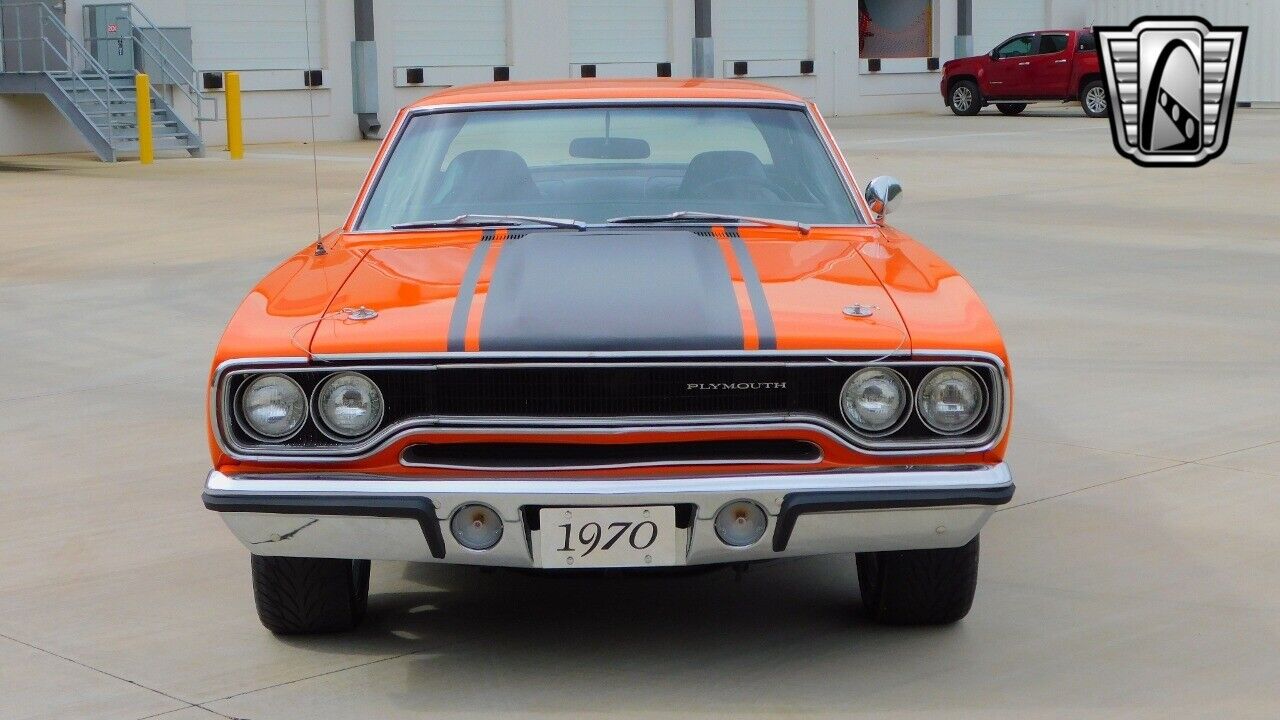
point(255, 34)
point(616, 31)
point(442, 33)
point(762, 30)
point(995, 20)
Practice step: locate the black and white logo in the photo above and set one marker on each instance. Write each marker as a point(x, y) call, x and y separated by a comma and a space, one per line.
point(1172, 81)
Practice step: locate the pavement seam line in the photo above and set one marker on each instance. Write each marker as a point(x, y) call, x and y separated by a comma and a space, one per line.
point(1233, 452)
point(192, 705)
point(311, 677)
point(100, 671)
point(1097, 485)
point(1033, 438)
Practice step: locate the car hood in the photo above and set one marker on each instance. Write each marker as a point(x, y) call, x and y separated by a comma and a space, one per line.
point(612, 291)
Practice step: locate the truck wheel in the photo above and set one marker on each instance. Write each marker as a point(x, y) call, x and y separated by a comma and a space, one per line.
point(309, 595)
point(1093, 98)
point(919, 587)
point(1011, 108)
point(966, 99)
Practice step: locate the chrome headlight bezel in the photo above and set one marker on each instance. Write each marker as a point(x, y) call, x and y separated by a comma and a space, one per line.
point(904, 411)
point(979, 412)
point(325, 425)
point(242, 418)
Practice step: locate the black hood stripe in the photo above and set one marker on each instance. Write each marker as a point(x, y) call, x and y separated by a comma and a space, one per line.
point(457, 338)
point(611, 291)
point(755, 290)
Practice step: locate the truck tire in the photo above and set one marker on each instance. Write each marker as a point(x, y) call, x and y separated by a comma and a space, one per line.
point(1011, 108)
point(1094, 100)
point(965, 98)
point(919, 587)
point(296, 595)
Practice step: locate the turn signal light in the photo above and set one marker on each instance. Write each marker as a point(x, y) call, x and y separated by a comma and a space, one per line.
point(741, 523)
point(475, 526)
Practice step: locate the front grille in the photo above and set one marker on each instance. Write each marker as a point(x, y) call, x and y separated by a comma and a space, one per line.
point(570, 456)
point(618, 391)
point(535, 394)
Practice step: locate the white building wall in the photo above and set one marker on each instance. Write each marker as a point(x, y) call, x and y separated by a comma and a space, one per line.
point(1259, 80)
point(535, 44)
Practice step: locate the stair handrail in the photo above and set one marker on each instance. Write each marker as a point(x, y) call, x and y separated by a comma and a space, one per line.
point(48, 19)
point(170, 75)
point(183, 75)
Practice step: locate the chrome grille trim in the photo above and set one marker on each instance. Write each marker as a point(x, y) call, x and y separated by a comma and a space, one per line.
point(998, 380)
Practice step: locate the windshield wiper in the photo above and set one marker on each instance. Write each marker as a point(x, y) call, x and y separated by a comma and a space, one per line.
point(684, 215)
point(474, 220)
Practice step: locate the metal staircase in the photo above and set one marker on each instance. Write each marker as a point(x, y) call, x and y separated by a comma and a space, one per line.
point(42, 57)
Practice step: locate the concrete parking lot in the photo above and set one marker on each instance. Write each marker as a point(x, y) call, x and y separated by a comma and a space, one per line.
point(1136, 573)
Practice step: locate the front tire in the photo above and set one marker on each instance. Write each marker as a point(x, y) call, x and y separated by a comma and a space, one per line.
point(1011, 108)
point(965, 98)
point(1094, 100)
point(919, 587)
point(297, 595)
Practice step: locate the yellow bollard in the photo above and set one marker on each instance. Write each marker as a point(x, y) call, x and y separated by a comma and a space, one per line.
point(235, 124)
point(142, 88)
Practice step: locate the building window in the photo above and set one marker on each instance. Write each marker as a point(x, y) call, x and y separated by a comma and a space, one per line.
point(895, 28)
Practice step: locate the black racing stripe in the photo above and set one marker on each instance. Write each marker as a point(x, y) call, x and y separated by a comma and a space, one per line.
point(457, 339)
point(755, 290)
point(617, 291)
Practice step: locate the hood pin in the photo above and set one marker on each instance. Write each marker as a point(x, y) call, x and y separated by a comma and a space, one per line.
point(360, 313)
point(859, 311)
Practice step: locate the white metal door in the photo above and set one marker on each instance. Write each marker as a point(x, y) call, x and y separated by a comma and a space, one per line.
point(444, 33)
point(762, 30)
point(256, 34)
point(997, 20)
point(618, 31)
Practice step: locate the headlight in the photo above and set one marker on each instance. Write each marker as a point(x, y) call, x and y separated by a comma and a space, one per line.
point(951, 400)
point(349, 404)
point(875, 399)
point(273, 407)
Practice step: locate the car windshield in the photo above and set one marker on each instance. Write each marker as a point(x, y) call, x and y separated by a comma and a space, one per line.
point(598, 163)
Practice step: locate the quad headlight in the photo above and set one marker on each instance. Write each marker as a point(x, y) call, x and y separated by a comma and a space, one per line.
point(273, 407)
point(950, 400)
point(349, 405)
point(875, 399)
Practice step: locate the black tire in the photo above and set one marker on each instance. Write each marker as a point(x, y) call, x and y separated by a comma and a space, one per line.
point(1011, 108)
point(919, 587)
point(309, 595)
point(965, 98)
point(1094, 99)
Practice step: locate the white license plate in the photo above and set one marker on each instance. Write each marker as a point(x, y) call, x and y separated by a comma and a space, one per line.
point(597, 537)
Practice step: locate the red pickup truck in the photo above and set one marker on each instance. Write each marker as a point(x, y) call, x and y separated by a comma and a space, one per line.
point(1029, 67)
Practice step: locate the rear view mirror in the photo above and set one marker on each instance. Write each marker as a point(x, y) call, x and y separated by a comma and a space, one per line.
point(883, 195)
point(609, 148)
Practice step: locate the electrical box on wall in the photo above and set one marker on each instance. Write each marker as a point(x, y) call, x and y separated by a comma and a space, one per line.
point(169, 48)
point(108, 32)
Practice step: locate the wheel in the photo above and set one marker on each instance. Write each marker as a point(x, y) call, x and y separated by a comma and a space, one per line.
point(1093, 98)
point(309, 595)
point(1011, 108)
point(919, 587)
point(966, 99)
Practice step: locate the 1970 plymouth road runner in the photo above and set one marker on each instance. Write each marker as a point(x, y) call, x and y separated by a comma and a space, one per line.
point(610, 324)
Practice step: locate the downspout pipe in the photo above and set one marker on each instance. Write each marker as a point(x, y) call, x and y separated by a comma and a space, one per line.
point(703, 52)
point(364, 72)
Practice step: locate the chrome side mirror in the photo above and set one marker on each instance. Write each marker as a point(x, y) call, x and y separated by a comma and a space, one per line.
point(882, 195)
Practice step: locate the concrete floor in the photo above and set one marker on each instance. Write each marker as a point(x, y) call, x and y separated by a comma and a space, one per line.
point(1137, 572)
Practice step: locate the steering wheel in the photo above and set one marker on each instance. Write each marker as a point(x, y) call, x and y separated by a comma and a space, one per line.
point(740, 185)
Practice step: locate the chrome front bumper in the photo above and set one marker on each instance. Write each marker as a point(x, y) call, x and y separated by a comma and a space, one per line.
point(389, 518)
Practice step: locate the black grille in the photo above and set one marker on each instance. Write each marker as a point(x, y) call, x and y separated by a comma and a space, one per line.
point(553, 455)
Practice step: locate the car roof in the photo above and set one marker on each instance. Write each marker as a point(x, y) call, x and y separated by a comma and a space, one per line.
point(597, 89)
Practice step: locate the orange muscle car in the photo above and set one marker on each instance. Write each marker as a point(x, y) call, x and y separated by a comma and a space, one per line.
point(610, 324)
